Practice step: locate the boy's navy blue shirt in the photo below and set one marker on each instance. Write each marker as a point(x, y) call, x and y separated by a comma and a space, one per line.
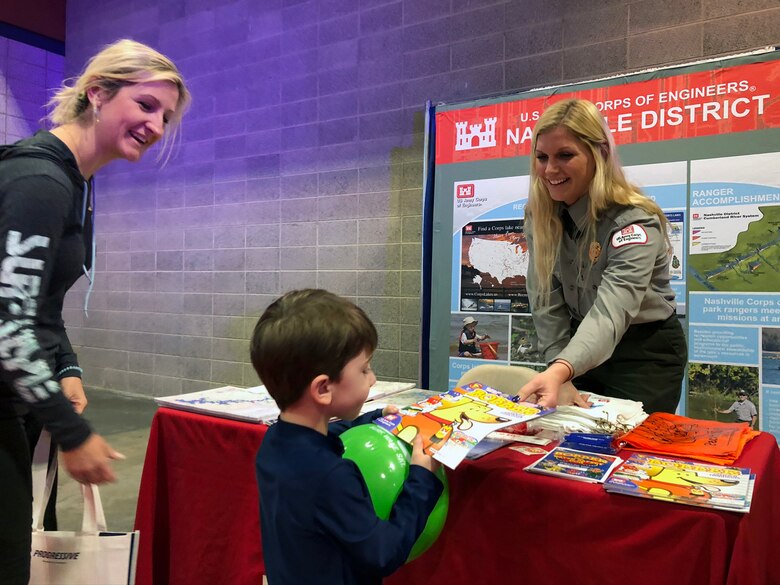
point(318, 523)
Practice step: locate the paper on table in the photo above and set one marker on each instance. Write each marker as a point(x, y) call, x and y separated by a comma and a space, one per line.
point(251, 404)
point(247, 404)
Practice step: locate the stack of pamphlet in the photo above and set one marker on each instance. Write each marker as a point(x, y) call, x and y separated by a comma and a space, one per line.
point(451, 424)
point(247, 404)
point(574, 464)
point(684, 482)
point(251, 404)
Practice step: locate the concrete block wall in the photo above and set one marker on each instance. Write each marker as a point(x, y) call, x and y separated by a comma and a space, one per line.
point(300, 163)
point(26, 74)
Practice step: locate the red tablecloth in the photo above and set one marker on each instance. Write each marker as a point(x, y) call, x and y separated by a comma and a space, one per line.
point(198, 509)
point(199, 521)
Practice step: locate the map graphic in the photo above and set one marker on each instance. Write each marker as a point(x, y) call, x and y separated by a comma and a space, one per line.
point(750, 263)
point(494, 264)
point(500, 260)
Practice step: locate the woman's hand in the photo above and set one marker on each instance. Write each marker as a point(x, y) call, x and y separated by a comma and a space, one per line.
point(547, 385)
point(90, 462)
point(73, 389)
point(570, 396)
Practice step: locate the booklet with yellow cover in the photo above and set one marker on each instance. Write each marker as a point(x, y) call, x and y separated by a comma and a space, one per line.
point(694, 483)
point(452, 423)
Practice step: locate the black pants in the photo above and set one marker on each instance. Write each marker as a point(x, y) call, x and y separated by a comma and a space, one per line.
point(647, 365)
point(15, 501)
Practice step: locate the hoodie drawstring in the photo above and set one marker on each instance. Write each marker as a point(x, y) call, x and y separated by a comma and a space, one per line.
point(90, 274)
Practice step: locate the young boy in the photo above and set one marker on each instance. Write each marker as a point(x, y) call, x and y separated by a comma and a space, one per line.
point(312, 350)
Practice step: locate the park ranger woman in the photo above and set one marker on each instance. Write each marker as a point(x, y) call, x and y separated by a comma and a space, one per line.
point(598, 278)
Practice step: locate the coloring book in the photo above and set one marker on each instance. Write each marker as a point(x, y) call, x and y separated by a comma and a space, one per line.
point(685, 482)
point(451, 424)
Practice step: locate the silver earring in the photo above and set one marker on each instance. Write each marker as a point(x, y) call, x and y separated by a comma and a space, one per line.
point(96, 113)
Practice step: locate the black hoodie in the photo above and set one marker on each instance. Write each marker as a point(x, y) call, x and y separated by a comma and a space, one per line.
point(45, 237)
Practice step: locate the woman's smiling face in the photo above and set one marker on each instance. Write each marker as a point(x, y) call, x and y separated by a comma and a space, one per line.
point(565, 164)
point(135, 118)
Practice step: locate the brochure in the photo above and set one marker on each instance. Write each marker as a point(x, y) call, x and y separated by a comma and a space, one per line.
point(452, 423)
point(574, 464)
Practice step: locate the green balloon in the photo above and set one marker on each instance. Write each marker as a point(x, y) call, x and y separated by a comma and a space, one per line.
point(383, 461)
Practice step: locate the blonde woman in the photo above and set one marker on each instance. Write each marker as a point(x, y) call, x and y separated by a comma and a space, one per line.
point(125, 100)
point(598, 278)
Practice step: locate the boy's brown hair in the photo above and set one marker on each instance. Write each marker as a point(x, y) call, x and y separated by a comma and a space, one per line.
point(306, 333)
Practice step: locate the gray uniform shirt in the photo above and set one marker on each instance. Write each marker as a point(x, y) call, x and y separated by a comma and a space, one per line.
point(623, 281)
point(745, 410)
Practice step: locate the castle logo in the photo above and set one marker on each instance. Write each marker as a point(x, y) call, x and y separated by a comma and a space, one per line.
point(465, 191)
point(471, 136)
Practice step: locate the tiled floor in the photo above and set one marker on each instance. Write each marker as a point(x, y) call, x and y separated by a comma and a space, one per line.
point(124, 422)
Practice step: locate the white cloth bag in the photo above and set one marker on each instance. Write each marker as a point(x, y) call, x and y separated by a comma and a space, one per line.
point(92, 556)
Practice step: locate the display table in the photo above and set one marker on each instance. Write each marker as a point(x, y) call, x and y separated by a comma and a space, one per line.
point(198, 506)
point(199, 521)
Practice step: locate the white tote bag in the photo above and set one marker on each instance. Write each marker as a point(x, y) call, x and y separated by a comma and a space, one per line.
point(92, 556)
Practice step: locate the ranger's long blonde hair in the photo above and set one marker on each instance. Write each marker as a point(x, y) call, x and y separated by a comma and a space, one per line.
point(608, 188)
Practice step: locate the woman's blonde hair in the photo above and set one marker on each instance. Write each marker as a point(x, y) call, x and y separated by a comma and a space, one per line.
point(608, 187)
point(124, 62)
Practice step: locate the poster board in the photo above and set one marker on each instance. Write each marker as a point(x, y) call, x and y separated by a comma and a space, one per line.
point(704, 141)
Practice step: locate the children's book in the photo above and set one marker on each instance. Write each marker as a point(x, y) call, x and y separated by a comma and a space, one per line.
point(683, 482)
point(574, 464)
point(451, 424)
point(247, 404)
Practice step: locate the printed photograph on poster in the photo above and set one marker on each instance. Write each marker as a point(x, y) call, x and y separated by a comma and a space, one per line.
point(493, 267)
point(524, 348)
point(735, 224)
point(770, 356)
point(716, 387)
point(479, 336)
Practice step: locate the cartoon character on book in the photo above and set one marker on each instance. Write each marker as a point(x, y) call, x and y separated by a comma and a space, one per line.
point(436, 428)
point(677, 483)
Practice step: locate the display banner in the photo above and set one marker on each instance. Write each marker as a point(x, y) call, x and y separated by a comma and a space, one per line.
point(703, 141)
point(734, 99)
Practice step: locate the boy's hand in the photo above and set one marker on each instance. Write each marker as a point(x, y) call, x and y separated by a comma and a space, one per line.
point(389, 409)
point(421, 459)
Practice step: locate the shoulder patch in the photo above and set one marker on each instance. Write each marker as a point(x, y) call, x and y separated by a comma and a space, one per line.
point(632, 234)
